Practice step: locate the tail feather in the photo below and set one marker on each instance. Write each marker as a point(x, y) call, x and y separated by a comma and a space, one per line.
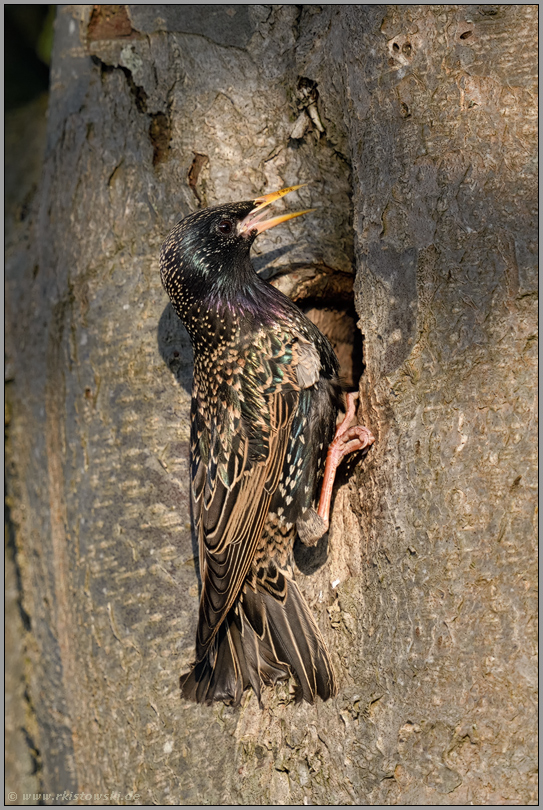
point(222, 674)
point(268, 635)
point(297, 638)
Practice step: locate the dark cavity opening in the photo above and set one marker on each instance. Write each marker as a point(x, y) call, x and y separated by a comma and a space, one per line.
point(338, 323)
point(327, 298)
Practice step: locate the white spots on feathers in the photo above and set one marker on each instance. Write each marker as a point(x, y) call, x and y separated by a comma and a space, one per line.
point(309, 363)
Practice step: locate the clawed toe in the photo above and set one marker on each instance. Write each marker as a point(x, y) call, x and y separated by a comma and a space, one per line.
point(346, 441)
point(352, 440)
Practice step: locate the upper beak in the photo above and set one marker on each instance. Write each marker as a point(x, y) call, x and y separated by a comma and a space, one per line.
point(254, 220)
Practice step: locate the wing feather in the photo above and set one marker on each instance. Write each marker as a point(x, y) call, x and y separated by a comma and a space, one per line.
point(231, 516)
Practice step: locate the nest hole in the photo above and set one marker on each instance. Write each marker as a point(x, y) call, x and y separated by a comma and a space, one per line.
point(339, 323)
point(326, 296)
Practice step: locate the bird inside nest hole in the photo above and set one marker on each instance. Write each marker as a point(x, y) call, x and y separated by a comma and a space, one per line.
point(326, 297)
point(338, 323)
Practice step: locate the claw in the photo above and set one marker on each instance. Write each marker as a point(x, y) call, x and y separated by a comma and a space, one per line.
point(347, 440)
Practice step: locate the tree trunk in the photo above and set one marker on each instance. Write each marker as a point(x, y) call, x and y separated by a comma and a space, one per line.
point(415, 126)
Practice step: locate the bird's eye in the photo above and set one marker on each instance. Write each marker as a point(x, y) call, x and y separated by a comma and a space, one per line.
point(225, 226)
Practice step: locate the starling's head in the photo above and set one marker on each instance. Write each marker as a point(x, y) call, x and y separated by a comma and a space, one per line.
point(208, 251)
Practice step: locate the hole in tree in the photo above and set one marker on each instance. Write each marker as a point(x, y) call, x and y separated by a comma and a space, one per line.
point(338, 323)
point(327, 298)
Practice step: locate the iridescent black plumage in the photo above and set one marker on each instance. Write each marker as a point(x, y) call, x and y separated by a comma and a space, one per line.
point(266, 395)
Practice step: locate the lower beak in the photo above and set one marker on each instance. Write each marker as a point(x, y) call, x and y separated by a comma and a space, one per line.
point(254, 220)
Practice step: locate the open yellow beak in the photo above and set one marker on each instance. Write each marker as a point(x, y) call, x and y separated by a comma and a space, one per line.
point(254, 220)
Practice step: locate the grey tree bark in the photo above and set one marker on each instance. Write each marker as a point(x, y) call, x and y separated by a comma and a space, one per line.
point(416, 127)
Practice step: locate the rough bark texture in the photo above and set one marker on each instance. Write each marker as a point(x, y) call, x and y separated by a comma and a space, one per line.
point(24, 142)
point(427, 594)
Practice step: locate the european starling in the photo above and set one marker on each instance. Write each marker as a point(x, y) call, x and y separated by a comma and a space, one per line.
point(265, 400)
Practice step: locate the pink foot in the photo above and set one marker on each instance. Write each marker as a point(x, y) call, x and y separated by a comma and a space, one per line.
point(346, 440)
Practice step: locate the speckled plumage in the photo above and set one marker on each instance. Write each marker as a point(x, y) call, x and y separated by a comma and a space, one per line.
point(266, 395)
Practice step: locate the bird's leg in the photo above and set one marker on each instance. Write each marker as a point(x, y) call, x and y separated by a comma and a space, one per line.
point(346, 440)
